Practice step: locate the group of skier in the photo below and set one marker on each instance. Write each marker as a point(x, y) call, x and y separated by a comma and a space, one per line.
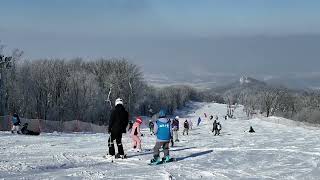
point(165, 129)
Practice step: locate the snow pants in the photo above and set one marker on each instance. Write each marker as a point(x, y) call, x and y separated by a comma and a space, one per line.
point(185, 130)
point(158, 146)
point(118, 138)
point(136, 142)
point(16, 128)
point(175, 135)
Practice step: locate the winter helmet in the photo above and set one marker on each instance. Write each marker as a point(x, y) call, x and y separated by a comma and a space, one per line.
point(139, 120)
point(119, 101)
point(162, 113)
point(177, 117)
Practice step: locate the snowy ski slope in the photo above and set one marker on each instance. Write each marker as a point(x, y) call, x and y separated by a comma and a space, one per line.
point(273, 152)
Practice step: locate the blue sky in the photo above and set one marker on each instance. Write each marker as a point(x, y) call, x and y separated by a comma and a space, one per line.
point(161, 17)
point(255, 35)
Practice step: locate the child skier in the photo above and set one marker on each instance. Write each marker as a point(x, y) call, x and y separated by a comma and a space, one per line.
point(15, 124)
point(151, 125)
point(219, 127)
point(175, 128)
point(163, 131)
point(186, 127)
point(135, 134)
point(215, 128)
point(199, 120)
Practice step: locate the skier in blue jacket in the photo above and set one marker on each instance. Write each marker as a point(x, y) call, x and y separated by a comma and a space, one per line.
point(163, 131)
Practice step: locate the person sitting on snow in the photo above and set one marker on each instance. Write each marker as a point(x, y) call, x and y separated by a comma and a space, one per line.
point(251, 130)
point(163, 131)
point(25, 130)
point(135, 134)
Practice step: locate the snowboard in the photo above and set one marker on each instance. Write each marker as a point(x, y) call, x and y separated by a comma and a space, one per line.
point(162, 162)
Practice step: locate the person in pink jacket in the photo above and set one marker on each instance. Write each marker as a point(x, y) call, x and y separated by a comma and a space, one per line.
point(135, 134)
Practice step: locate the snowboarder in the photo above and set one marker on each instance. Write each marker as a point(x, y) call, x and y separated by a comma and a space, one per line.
point(119, 119)
point(135, 134)
point(211, 117)
point(16, 123)
point(151, 125)
point(215, 128)
point(251, 130)
point(186, 127)
point(163, 131)
point(199, 120)
point(175, 128)
point(25, 130)
point(219, 127)
point(225, 117)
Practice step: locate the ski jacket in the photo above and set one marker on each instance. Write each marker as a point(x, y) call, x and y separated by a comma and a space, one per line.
point(163, 130)
point(219, 127)
point(136, 129)
point(15, 120)
point(151, 125)
point(215, 125)
point(175, 125)
point(186, 125)
point(119, 120)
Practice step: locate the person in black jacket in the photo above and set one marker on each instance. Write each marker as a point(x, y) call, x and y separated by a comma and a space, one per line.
point(118, 123)
point(25, 130)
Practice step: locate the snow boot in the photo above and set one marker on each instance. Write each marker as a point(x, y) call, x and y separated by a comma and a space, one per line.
point(166, 159)
point(155, 160)
point(118, 156)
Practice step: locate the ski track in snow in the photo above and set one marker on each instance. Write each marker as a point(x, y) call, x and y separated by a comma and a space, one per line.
point(273, 152)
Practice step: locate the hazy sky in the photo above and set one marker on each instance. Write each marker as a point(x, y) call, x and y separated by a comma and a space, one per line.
point(162, 35)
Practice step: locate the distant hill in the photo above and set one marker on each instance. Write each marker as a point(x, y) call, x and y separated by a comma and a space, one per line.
point(243, 83)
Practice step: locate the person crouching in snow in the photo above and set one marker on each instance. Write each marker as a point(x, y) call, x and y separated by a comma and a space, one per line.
point(163, 131)
point(135, 134)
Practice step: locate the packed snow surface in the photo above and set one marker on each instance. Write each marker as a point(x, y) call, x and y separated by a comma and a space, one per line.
point(273, 152)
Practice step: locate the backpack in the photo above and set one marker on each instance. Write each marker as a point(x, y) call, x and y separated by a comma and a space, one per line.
point(164, 132)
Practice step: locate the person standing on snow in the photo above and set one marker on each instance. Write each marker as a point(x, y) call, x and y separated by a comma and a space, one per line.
point(219, 127)
point(118, 123)
point(163, 131)
point(135, 134)
point(151, 125)
point(199, 120)
point(16, 123)
point(215, 128)
point(175, 128)
point(186, 127)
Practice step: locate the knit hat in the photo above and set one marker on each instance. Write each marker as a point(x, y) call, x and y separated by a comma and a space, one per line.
point(119, 101)
point(139, 120)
